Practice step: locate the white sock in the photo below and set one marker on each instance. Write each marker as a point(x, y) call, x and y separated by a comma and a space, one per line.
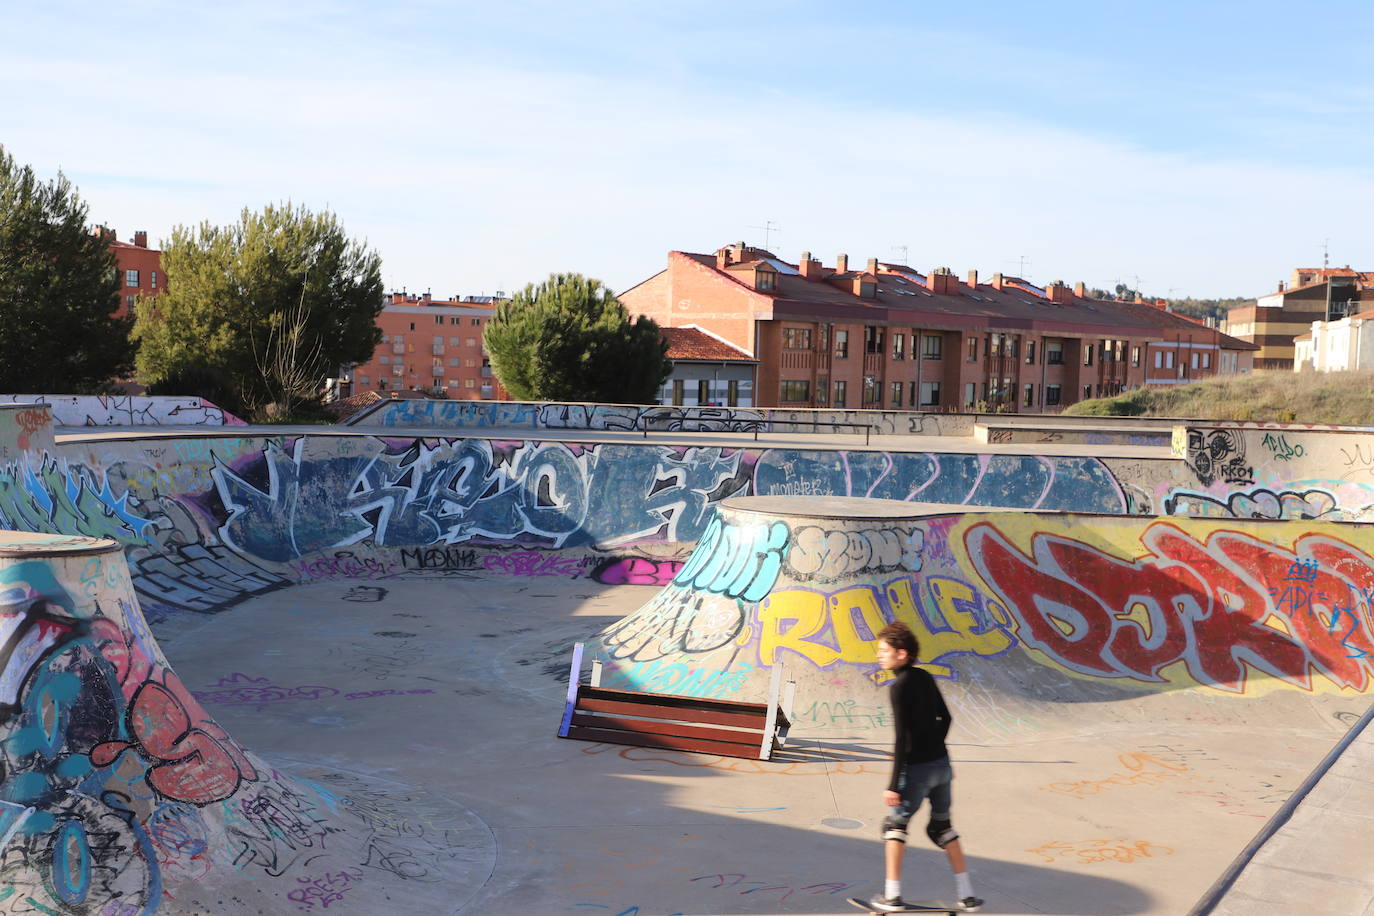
point(892, 889)
point(964, 887)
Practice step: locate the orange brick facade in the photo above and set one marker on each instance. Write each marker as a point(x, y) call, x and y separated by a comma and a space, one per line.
point(139, 269)
point(433, 346)
point(888, 336)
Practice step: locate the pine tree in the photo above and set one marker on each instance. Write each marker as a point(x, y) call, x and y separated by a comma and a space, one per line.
point(59, 291)
point(570, 339)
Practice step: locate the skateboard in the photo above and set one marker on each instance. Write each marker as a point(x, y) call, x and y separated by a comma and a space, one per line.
point(914, 906)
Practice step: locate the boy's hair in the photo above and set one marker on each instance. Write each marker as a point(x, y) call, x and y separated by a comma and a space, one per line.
point(899, 636)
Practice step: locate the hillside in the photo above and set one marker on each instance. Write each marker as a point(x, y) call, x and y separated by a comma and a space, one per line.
point(1345, 398)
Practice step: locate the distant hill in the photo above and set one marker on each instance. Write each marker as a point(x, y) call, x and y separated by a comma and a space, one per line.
point(1344, 398)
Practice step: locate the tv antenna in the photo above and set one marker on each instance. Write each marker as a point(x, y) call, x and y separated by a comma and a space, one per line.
point(768, 228)
point(1326, 253)
point(905, 254)
point(1021, 263)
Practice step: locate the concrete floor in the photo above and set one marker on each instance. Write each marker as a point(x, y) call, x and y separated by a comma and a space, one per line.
point(445, 694)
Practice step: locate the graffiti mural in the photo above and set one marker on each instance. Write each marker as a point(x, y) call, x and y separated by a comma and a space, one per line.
point(129, 410)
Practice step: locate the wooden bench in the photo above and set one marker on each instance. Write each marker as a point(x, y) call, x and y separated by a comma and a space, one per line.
point(695, 724)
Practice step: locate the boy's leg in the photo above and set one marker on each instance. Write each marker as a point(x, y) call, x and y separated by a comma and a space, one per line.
point(956, 857)
point(892, 855)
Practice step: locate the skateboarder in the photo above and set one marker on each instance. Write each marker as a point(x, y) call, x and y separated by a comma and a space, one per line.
point(920, 769)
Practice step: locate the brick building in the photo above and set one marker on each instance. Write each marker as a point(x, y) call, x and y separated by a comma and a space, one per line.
point(430, 345)
point(707, 370)
point(139, 268)
point(1311, 294)
point(889, 336)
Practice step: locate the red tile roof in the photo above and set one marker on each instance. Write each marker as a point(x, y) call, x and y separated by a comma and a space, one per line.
point(687, 344)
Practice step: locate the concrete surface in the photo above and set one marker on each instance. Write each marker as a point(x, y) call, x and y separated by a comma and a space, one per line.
point(379, 624)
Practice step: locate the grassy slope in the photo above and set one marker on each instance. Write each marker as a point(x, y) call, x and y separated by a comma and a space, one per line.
point(1345, 398)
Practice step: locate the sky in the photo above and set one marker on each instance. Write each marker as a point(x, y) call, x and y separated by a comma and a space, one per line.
point(1198, 148)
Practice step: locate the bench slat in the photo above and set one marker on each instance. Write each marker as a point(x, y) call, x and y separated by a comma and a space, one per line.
point(667, 742)
point(674, 713)
point(748, 738)
point(664, 699)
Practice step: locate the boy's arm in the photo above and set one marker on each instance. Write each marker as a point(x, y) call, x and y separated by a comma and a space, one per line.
point(899, 745)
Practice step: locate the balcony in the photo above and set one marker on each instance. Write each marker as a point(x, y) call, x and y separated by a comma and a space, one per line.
point(486, 372)
point(436, 370)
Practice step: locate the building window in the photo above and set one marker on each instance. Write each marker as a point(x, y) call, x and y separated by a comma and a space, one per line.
point(841, 345)
point(896, 389)
point(412, 325)
point(841, 393)
point(1135, 357)
point(1051, 395)
point(438, 319)
point(796, 338)
point(912, 396)
point(1030, 352)
point(1206, 360)
point(381, 382)
point(130, 302)
point(472, 341)
point(152, 278)
point(732, 393)
point(1087, 353)
point(469, 383)
point(384, 360)
point(870, 390)
point(470, 362)
point(677, 391)
point(1195, 360)
point(764, 280)
point(822, 388)
point(1159, 359)
point(703, 392)
point(386, 338)
point(1028, 396)
point(477, 322)
point(932, 345)
point(1054, 352)
point(970, 394)
point(972, 345)
point(794, 391)
point(930, 394)
point(1169, 359)
point(131, 278)
point(364, 379)
point(1087, 392)
point(899, 346)
point(873, 339)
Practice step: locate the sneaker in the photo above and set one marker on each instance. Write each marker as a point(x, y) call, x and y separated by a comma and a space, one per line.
point(887, 904)
point(970, 904)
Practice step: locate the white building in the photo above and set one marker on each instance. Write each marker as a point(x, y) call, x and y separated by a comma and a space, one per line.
point(1337, 346)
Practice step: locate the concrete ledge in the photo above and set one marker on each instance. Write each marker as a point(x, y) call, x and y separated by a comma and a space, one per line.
point(1051, 434)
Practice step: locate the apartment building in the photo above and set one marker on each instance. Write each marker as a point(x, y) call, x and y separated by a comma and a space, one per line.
point(138, 267)
point(889, 336)
point(1311, 295)
point(432, 346)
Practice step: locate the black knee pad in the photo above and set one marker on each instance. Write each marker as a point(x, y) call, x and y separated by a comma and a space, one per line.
point(894, 829)
point(941, 832)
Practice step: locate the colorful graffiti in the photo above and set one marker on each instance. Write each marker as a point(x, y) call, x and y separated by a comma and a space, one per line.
point(1221, 608)
point(129, 410)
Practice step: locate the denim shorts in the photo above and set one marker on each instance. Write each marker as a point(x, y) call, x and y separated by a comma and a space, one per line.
point(920, 781)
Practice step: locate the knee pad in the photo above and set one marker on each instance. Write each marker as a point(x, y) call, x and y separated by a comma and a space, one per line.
point(941, 832)
point(894, 829)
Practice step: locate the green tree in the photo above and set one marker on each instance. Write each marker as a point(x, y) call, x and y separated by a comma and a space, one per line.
point(570, 339)
point(58, 291)
point(260, 312)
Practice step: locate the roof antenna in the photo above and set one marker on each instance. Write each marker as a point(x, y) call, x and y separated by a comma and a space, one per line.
point(1326, 253)
point(768, 228)
point(906, 252)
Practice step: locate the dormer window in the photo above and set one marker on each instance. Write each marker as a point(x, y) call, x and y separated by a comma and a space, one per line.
point(765, 280)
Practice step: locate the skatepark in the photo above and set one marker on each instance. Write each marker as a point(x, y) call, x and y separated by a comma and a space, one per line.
point(278, 670)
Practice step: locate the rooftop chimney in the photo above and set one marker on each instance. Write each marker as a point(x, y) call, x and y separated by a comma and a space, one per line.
point(941, 282)
point(997, 281)
point(1080, 289)
point(808, 267)
point(841, 263)
point(141, 239)
point(973, 279)
point(873, 266)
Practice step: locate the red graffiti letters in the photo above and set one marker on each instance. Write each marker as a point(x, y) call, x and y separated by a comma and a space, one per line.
point(1226, 607)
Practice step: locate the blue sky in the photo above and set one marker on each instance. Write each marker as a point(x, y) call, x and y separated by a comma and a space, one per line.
point(1204, 148)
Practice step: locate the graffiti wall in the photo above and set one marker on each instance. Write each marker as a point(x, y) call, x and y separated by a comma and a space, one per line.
point(24, 428)
point(208, 522)
point(1010, 604)
point(119, 794)
point(477, 415)
point(129, 410)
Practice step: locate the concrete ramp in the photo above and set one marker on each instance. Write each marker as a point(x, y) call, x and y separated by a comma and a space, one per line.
point(123, 797)
point(1072, 621)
